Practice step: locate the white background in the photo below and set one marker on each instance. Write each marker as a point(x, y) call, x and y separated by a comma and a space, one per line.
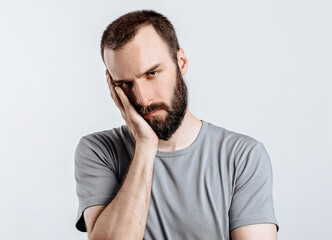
point(261, 68)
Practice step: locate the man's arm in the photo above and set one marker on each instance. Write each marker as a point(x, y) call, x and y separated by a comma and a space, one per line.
point(252, 212)
point(125, 216)
point(265, 231)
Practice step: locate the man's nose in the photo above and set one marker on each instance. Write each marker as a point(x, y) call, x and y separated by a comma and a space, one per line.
point(142, 93)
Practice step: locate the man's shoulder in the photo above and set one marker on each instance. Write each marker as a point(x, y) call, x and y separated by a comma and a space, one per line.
point(229, 137)
point(106, 147)
point(108, 137)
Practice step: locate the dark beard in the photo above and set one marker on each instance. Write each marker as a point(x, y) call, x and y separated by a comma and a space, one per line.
point(164, 129)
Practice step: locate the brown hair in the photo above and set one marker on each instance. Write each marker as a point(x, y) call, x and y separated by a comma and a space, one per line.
point(124, 29)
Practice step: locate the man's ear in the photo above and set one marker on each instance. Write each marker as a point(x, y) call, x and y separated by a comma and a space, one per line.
point(182, 61)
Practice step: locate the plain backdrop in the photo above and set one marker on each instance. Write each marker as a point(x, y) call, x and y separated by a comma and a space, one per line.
point(260, 68)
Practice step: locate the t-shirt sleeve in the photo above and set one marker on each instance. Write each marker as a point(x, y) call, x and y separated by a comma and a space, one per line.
point(96, 181)
point(252, 201)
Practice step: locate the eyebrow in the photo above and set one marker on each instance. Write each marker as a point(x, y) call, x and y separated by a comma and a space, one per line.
point(154, 67)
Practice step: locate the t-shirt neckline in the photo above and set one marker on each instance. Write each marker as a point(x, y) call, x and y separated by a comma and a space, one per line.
point(188, 149)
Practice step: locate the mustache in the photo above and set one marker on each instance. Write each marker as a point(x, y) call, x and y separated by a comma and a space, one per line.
point(142, 110)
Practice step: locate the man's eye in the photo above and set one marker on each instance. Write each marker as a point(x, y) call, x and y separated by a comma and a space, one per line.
point(153, 73)
point(123, 84)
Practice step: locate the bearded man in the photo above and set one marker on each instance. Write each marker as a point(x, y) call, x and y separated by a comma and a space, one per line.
point(166, 174)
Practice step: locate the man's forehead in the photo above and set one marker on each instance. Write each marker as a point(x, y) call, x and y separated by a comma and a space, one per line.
point(125, 68)
point(145, 50)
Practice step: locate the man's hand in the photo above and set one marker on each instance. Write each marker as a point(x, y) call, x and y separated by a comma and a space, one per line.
point(126, 215)
point(140, 129)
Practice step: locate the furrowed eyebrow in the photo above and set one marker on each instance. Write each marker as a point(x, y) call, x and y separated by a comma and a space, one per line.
point(154, 67)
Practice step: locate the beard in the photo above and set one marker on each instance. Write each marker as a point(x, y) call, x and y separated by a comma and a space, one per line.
point(165, 127)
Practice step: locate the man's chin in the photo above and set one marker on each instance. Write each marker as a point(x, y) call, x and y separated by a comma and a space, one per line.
point(164, 129)
point(155, 121)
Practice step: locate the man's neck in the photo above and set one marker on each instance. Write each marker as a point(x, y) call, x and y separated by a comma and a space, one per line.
point(184, 136)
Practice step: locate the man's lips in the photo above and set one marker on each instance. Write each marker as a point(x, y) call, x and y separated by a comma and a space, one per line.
point(152, 113)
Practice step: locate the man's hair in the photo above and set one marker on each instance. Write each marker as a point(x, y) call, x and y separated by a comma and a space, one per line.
point(124, 29)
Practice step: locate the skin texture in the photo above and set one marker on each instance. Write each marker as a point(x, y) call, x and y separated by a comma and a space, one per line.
point(266, 231)
point(132, 80)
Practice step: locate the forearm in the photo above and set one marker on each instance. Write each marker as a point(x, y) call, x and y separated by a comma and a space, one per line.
point(125, 217)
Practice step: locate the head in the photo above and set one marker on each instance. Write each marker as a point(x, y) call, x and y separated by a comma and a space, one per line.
point(142, 54)
point(125, 28)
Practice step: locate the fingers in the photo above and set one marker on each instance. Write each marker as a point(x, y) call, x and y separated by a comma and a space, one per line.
point(124, 100)
point(139, 128)
point(114, 95)
point(120, 98)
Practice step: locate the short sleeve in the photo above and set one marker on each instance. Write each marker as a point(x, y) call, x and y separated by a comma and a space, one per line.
point(252, 201)
point(96, 181)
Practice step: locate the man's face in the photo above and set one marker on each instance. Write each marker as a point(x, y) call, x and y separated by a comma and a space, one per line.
point(144, 69)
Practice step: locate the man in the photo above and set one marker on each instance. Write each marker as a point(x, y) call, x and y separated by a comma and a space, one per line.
point(166, 174)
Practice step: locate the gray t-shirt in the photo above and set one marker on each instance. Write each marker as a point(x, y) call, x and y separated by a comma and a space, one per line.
point(220, 182)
